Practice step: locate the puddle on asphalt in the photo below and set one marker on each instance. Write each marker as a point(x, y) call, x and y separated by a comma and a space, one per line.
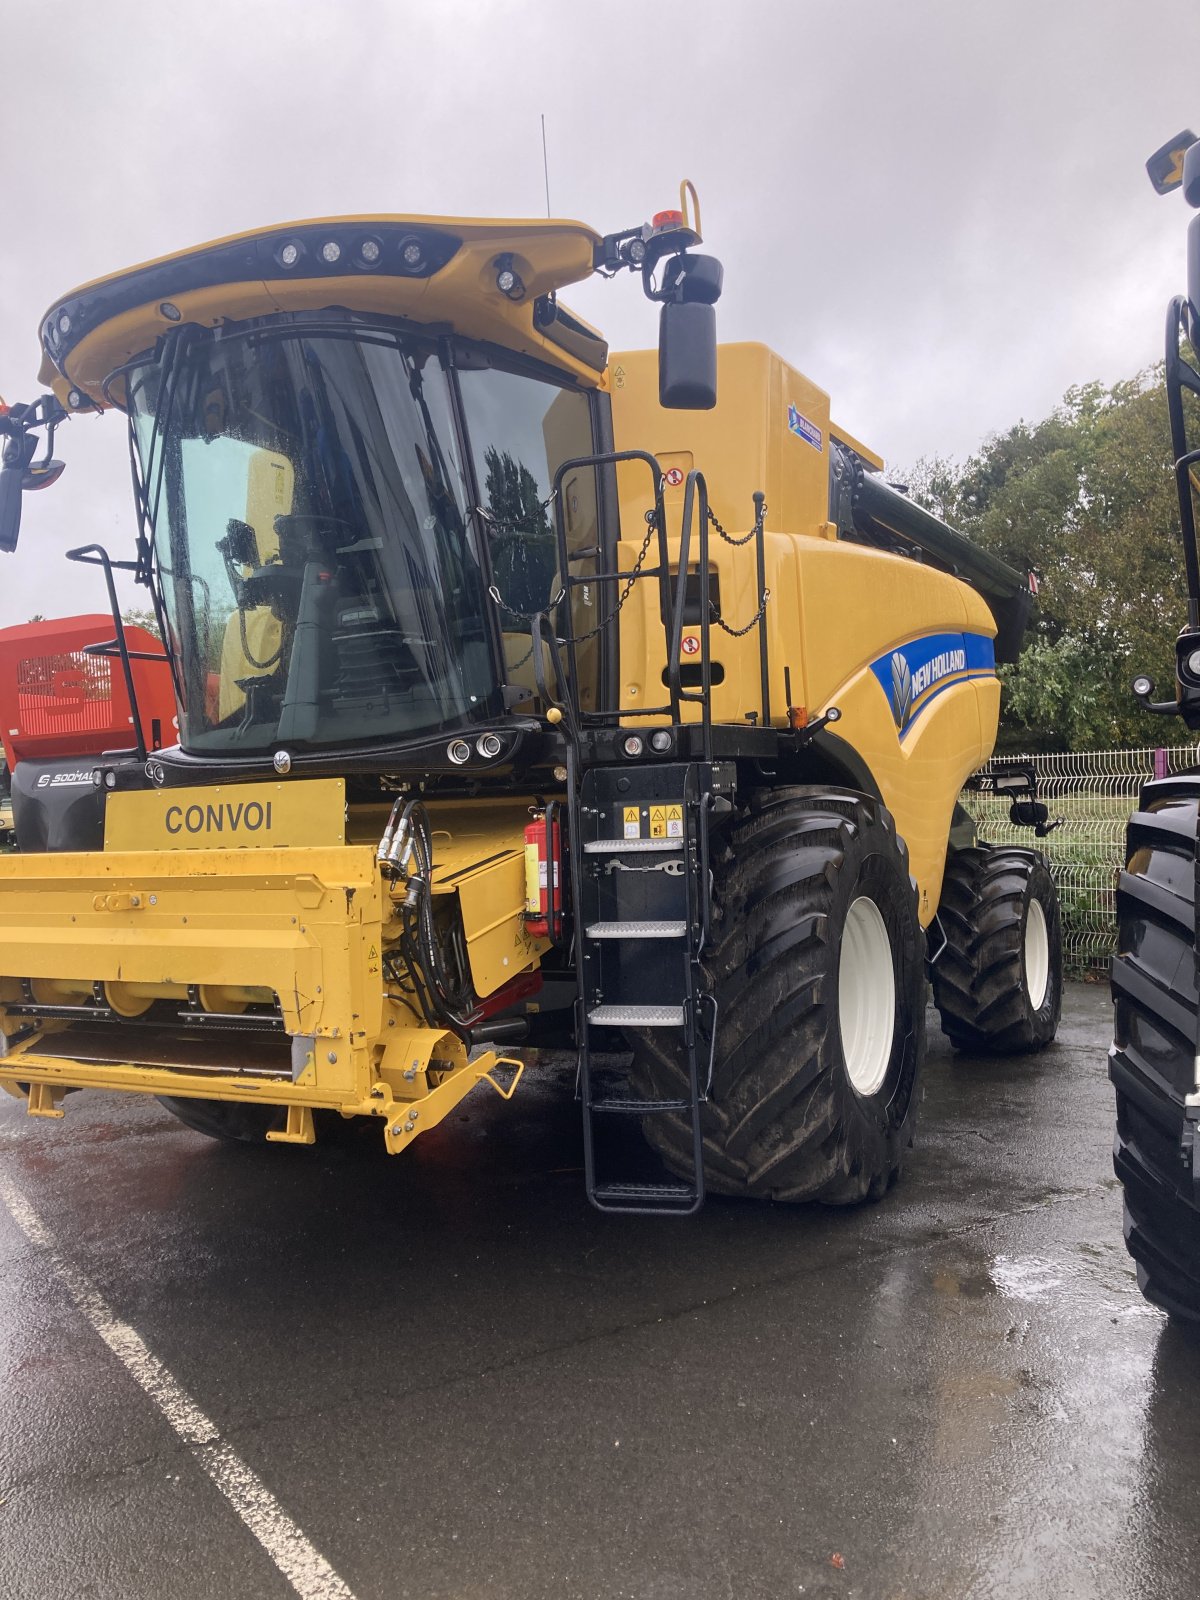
point(1040, 1280)
point(1026, 1278)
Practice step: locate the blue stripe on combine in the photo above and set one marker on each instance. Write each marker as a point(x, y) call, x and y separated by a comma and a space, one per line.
point(914, 674)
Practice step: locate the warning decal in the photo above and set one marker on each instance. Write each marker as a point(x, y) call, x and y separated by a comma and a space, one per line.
point(674, 822)
point(633, 822)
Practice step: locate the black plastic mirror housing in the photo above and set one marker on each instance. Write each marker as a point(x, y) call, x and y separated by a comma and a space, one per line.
point(10, 506)
point(687, 356)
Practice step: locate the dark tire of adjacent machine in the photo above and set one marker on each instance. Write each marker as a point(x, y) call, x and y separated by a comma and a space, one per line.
point(997, 982)
point(814, 937)
point(1152, 1062)
point(231, 1120)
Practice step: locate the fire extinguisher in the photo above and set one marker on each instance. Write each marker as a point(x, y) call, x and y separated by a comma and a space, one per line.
point(543, 873)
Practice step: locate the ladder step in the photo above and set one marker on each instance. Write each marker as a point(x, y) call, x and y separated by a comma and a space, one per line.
point(637, 1016)
point(593, 847)
point(637, 930)
point(640, 1108)
point(644, 1191)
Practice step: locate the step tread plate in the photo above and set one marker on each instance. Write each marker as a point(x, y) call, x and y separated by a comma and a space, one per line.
point(593, 847)
point(640, 1108)
point(637, 1016)
point(636, 930)
point(644, 1191)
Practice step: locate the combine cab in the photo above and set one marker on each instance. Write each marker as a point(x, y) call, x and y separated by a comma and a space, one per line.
point(523, 690)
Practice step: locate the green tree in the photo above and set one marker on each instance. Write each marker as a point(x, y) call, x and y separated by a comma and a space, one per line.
point(1085, 498)
point(523, 552)
point(141, 618)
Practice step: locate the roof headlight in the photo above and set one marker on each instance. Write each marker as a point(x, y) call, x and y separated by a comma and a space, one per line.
point(489, 745)
point(508, 279)
point(459, 751)
point(412, 254)
point(370, 250)
point(289, 253)
point(331, 252)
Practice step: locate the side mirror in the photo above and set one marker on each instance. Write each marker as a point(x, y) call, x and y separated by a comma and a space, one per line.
point(10, 506)
point(687, 333)
point(17, 454)
point(687, 356)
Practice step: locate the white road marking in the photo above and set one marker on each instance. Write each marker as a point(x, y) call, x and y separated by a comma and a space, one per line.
point(301, 1563)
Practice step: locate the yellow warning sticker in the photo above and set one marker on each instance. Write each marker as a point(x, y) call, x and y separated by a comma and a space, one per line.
point(658, 822)
point(633, 821)
point(674, 822)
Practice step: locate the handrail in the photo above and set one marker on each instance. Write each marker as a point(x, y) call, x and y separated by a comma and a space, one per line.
point(95, 555)
point(695, 485)
point(672, 602)
point(611, 458)
point(760, 553)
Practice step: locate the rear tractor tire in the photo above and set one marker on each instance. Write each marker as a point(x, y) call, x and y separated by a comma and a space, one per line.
point(816, 961)
point(1152, 1062)
point(997, 982)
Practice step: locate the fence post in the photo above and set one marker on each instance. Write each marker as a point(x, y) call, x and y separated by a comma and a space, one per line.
point(1160, 763)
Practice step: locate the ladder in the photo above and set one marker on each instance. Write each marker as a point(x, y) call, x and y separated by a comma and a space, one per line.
point(640, 864)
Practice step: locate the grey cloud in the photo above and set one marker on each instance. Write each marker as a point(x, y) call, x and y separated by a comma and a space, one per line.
point(936, 210)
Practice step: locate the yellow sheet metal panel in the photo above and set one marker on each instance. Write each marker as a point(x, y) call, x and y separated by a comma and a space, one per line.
point(479, 853)
point(842, 436)
point(305, 814)
point(304, 923)
point(442, 1081)
point(836, 610)
point(769, 430)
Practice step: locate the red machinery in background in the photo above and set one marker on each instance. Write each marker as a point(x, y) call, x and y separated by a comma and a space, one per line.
point(63, 690)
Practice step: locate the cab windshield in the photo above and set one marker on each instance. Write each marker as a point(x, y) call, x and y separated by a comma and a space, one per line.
point(310, 511)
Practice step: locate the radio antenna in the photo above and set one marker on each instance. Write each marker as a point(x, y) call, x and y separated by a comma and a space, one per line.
point(545, 164)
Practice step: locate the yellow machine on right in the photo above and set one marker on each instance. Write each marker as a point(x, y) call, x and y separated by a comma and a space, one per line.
point(1155, 1057)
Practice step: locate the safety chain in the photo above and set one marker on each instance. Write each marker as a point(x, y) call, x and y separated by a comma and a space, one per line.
point(556, 601)
point(522, 616)
point(496, 526)
point(633, 577)
point(739, 633)
point(525, 616)
point(728, 537)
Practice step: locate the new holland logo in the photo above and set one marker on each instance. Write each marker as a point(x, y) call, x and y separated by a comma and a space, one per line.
point(902, 689)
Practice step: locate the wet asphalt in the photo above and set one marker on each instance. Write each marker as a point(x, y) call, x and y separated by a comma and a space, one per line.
point(460, 1381)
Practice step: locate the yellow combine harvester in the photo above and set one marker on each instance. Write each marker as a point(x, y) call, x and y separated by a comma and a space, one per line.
point(522, 690)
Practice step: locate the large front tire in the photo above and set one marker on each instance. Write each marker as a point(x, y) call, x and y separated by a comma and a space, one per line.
point(231, 1120)
point(997, 982)
point(817, 966)
point(1152, 1062)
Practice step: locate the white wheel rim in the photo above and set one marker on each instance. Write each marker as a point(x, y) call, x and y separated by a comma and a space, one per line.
point(866, 996)
point(1037, 955)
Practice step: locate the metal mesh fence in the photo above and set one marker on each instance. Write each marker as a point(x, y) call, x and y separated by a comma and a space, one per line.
point(1093, 792)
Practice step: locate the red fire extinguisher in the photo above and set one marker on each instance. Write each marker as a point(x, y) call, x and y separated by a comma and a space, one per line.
point(543, 875)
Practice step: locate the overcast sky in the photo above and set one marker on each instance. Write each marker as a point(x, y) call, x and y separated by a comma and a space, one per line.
point(939, 211)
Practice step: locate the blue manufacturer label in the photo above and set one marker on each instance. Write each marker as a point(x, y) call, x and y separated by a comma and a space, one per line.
point(799, 424)
point(914, 674)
